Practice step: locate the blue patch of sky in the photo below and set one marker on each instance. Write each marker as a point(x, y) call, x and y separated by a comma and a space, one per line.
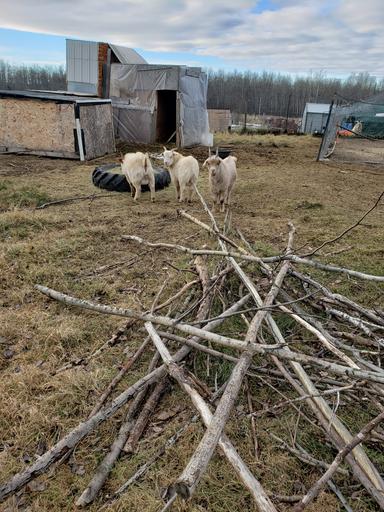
point(264, 5)
point(29, 47)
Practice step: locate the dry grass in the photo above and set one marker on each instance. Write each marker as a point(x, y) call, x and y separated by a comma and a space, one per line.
point(63, 246)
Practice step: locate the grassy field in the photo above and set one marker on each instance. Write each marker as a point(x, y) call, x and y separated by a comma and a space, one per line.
point(72, 248)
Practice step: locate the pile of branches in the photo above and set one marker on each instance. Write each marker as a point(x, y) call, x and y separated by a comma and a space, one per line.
point(231, 280)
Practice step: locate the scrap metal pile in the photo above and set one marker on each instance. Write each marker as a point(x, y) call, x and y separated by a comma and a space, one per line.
point(341, 363)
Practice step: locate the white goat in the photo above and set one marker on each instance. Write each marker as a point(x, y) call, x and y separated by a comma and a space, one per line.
point(357, 128)
point(138, 170)
point(184, 171)
point(222, 177)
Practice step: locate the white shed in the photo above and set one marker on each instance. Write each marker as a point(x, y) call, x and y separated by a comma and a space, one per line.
point(314, 117)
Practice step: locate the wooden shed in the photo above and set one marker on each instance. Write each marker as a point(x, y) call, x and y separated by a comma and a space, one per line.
point(220, 120)
point(55, 124)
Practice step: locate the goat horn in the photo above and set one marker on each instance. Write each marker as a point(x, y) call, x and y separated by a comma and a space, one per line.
point(217, 150)
point(209, 151)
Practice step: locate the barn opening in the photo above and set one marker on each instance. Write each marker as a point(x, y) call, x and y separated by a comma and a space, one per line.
point(166, 116)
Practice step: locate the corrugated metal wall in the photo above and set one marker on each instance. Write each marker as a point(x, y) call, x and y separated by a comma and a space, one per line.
point(82, 66)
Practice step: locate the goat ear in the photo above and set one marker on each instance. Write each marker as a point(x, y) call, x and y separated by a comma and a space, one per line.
point(165, 149)
point(205, 163)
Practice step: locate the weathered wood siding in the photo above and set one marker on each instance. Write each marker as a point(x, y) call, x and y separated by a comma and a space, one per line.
point(219, 120)
point(97, 123)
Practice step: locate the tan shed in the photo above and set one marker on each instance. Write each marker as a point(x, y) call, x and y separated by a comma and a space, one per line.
point(53, 124)
point(220, 120)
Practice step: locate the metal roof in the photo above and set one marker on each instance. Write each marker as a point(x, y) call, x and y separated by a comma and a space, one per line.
point(127, 55)
point(317, 108)
point(52, 96)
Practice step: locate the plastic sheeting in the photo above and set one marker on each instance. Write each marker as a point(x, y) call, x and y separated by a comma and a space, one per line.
point(137, 86)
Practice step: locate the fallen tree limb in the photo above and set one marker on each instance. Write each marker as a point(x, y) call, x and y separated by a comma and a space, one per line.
point(114, 382)
point(327, 343)
point(304, 456)
point(144, 416)
point(248, 257)
point(357, 439)
point(197, 465)
point(77, 434)
point(72, 199)
point(362, 467)
point(338, 297)
point(216, 338)
point(105, 467)
point(148, 464)
point(259, 495)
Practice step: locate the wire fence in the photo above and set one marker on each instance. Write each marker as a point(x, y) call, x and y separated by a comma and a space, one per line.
point(354, 131)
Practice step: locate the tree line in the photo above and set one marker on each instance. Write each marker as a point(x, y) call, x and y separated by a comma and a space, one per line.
point(281, 95)
point(254, 93)
point(21, 77)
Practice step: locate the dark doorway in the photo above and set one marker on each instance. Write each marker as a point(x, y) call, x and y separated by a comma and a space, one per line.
point(166, 116)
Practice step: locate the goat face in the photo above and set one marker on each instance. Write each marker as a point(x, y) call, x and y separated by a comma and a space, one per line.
point(168, 156)
point(212, 163)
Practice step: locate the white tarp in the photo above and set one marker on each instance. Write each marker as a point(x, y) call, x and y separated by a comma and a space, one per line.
point(138, 85)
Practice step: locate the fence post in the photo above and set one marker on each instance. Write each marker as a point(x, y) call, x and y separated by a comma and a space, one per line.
point(325, 131)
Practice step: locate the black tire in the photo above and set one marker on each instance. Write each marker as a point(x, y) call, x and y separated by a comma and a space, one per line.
point(103, 178)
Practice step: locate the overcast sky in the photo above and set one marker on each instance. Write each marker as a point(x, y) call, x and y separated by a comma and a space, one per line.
point(295, 36)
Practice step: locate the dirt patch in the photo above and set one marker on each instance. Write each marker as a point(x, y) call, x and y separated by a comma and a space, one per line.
point(353, 149)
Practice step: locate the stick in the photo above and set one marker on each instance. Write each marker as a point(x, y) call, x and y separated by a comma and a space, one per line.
point(105, 467)
point(77, 434)
point(323, 339)
point(253, 421)
point(248, 257)
point(357, 439)
point(130, 362)
point(258, 493)
point(176, 296)
point(337, 297)
point(145, 467)
point(210, 230)
point(144, 416)
point(354, 321)
point(361, 465)
point(216, 338)
point(71, 199)
point(340, 495)
point(197, 465)
point(305, 456)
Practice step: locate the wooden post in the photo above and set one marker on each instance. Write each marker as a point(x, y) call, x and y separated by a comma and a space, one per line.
point(287, 114)
point(78, 133)
point(325, 131)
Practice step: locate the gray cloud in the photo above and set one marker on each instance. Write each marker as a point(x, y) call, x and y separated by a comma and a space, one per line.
point(296, 36)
